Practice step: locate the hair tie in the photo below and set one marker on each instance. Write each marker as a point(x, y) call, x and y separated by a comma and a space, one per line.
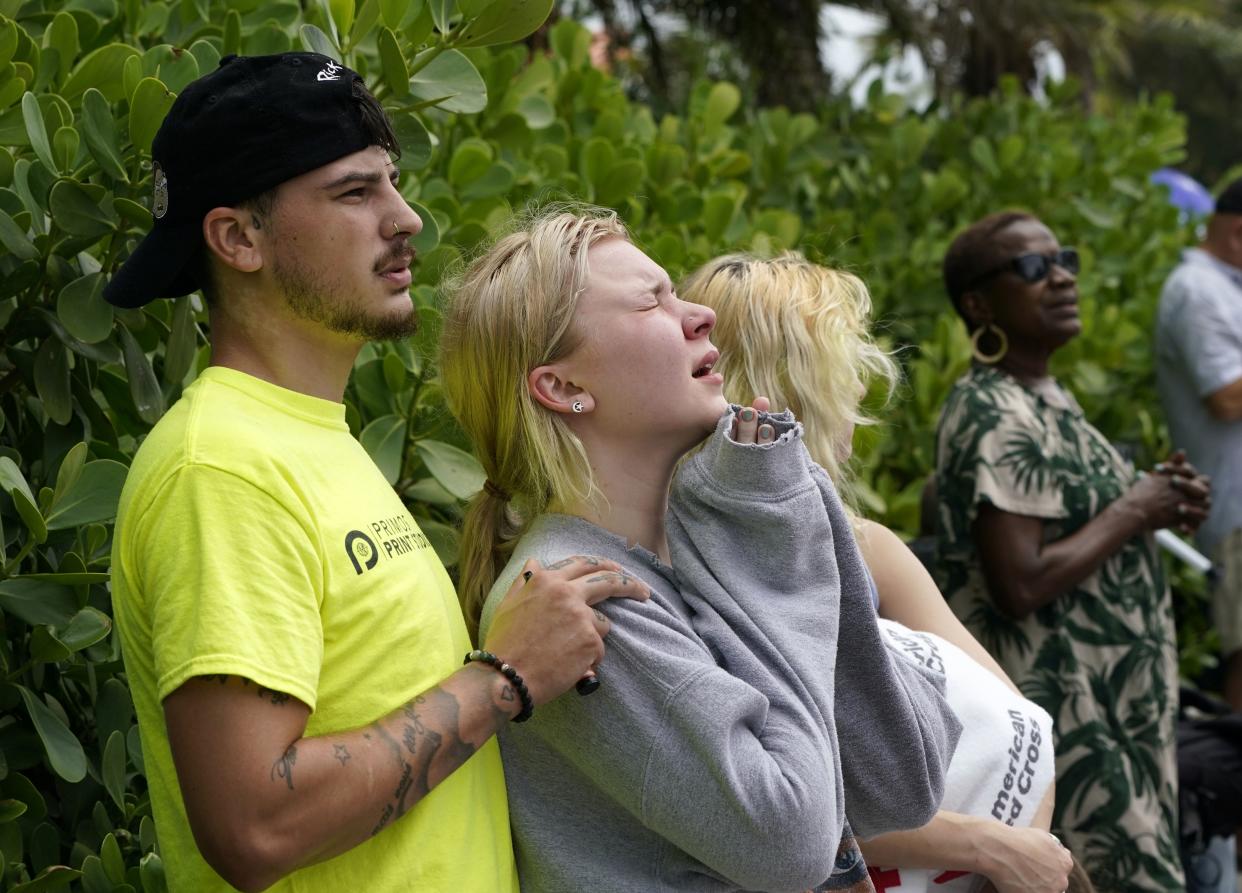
point(494, 490)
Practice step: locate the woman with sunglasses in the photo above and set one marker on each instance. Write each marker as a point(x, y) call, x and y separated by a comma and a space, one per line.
point(1046, 553)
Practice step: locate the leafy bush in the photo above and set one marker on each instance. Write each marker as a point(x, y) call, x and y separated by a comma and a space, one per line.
point(84, 87)
point(84, 90)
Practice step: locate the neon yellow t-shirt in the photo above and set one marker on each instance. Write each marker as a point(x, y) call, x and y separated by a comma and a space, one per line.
point(256, 537)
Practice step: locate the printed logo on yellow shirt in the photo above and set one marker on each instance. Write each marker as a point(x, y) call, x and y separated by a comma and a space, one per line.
point(396, 536)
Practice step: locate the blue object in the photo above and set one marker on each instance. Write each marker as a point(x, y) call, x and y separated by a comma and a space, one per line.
point(1215, 869)
point(1185, 192)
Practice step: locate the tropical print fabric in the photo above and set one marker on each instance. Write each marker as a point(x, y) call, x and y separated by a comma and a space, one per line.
point(1102, 658)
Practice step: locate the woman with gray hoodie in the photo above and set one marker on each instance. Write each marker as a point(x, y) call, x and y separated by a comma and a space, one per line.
point(752, 702)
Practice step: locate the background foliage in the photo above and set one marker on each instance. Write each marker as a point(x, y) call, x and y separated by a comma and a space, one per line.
point(487, 126)
point(1118, 50)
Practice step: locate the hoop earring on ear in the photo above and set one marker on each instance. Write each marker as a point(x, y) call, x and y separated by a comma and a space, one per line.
point(989, 359)
point(577, 406)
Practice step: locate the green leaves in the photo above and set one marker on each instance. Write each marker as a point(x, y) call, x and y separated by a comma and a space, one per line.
point(448, 80)
point(147, 108)
point(36, 132)
point(316, 41)
point(722, 102)
point(414, 139)
point(503, 21)
point(51, 377)
point(396, 14)
point(83, 311)
point(392, 62)
point(80, 210)
point(100, 69)
point(456, 470)
point(37, 601)
point(92, 497)
point(64, 751)
point(384, 440)
point(143, 387)
point(182, 342)
point(15, 240)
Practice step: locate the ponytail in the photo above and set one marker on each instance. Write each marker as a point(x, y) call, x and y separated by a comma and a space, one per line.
point(510, 311)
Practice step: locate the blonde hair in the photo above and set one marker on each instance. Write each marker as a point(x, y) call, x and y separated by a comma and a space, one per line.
point(508, 312)
point(796, 333)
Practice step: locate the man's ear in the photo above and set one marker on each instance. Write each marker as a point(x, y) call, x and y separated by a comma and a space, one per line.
point(551, 387)
point(231, 234)
point(976, 308)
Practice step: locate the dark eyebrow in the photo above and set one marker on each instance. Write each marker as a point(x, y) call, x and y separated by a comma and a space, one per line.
point(354, 177)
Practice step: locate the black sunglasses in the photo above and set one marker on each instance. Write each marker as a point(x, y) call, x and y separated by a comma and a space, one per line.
point(1032, 267)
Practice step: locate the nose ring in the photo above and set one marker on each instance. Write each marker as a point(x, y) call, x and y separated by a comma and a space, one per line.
point(396, 229)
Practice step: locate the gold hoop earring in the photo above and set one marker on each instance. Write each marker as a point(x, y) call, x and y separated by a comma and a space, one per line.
point(989, 359)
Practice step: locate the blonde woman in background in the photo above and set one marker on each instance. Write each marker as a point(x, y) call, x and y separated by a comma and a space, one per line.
point(799, 333)
point(752, 697)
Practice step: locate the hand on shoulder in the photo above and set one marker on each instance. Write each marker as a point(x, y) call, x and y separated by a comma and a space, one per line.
point(546, 626)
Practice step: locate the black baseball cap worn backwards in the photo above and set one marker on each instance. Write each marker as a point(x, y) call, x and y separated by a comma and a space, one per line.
point(245, 128)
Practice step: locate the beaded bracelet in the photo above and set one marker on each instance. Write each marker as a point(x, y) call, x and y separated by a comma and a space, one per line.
point(486, 657)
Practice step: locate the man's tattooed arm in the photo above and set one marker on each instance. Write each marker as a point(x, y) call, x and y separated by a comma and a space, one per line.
point(423, 740)
point(296, 799)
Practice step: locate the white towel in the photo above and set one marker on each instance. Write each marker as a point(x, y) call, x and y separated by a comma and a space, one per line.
point(1003, 764)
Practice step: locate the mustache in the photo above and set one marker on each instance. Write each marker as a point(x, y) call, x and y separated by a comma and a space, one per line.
point(402, 256)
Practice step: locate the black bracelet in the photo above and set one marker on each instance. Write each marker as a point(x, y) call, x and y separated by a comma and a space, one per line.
point(486, 657)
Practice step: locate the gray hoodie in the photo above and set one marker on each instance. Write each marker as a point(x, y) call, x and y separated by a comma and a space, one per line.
point(744, 708)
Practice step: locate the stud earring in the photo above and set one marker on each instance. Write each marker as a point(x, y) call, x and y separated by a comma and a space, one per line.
point(577, 406)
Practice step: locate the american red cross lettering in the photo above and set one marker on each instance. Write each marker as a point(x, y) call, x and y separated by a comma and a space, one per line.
point(884, 878)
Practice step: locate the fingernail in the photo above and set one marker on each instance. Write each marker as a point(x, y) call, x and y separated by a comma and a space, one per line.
point(748, 415)
point(766, 432)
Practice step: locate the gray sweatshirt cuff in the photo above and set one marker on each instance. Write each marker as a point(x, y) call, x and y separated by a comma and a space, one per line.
point(762, 471)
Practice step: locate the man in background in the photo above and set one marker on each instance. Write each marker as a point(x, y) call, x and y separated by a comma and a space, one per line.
point(1199, 373)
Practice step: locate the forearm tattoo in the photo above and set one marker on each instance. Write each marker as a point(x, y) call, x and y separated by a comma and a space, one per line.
point(418, 746)
point(283, 768)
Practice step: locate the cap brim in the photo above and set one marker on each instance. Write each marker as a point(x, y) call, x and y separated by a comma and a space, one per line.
point(160, 267)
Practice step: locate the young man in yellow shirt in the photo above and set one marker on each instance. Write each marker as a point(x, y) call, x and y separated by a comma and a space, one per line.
point(293, 645)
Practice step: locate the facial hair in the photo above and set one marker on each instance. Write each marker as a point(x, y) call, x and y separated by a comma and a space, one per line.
point(311, 297)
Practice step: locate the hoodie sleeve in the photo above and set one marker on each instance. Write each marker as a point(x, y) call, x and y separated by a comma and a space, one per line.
point(896, 730)
point(766, 557)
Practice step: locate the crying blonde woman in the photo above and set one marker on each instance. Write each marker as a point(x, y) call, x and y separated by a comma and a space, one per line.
point(752, 701)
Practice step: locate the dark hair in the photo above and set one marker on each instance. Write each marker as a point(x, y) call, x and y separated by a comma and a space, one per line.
point(374, 120)
point(971, 253)
point(1230, 199)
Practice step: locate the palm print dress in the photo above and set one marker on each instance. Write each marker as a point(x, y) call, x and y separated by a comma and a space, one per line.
point(1101, 658)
